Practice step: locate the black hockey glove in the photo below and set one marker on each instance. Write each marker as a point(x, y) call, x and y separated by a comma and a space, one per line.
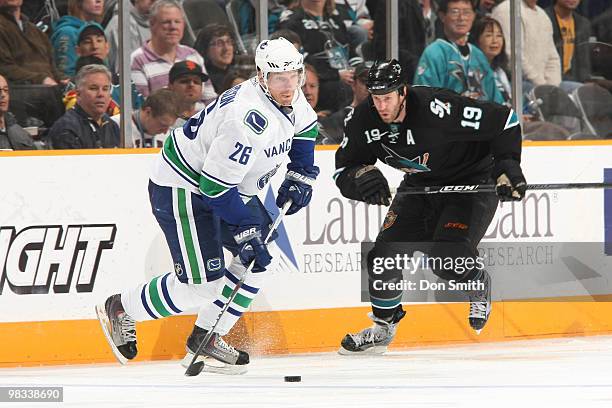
point(511, 184)
point(372, 185)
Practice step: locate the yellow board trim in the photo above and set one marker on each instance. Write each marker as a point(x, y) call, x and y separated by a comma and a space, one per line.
point(92, 152)
point(301, 331)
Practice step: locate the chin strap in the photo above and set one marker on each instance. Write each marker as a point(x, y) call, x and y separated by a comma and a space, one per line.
point(400, 109)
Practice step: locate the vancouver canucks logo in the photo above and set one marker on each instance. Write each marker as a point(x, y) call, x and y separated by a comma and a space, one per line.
point(256, 121)
point(416, 165)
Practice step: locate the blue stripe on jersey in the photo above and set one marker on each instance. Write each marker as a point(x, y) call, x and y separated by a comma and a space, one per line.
point(218, 180)
point(301, 154)
point(172, 166)
point(164, 286)
point(212, 106)
point(307, 128)
point(244, 286)
point(219, 303)
point(143, 298)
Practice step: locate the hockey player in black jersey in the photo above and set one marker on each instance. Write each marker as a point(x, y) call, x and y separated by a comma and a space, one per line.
point(436, 137)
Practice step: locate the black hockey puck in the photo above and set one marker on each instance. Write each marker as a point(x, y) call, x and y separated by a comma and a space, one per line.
point(293, 378)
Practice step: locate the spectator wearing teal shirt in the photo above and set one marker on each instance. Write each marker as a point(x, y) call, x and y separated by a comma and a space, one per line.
point(452, 62)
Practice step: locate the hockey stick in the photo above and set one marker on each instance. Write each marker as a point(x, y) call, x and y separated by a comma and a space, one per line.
point(490, 188)
point(196, 368)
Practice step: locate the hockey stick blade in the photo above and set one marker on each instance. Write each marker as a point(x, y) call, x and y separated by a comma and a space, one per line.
point(490, 188)
point(195, 368)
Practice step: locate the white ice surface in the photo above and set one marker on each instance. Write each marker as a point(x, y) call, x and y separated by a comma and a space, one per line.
point(569, 372)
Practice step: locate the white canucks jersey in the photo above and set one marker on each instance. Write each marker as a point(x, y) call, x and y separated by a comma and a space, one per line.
point(240, 140)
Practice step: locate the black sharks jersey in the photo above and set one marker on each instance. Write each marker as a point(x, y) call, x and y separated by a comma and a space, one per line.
point(444, 138)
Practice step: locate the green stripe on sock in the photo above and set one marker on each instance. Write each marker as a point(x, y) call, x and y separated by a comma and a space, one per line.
point(239, 299)
point(186, 228)
point(156, 300)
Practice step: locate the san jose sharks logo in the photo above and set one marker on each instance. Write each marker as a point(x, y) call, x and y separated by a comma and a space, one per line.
point(416, 165)
point(472, 84)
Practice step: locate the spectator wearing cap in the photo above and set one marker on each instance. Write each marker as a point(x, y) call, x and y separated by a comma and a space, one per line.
point(334, 123)
point(452, 62)
point(216, 43)
point(186, 78)
point(151, 63)
point(87, 125)
point(26, 55)
point(12, 136)
point(66, 32)
point(139, 31)
point(150, 124)
point(92, 42)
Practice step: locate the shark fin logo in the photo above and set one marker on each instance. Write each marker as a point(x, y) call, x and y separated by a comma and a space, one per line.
point(416, 165)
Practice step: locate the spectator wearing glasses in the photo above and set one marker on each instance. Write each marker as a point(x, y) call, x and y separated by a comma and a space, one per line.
point(12, 136)
point(453, 63)
point(87, 125)
point(216, 44)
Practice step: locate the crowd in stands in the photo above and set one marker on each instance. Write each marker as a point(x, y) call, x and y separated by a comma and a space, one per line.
point(60, 62)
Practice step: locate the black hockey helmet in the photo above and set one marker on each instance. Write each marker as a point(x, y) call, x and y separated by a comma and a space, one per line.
point(385, 77)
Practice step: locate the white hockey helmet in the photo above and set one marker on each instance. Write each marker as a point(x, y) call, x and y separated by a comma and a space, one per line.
point(278, 55)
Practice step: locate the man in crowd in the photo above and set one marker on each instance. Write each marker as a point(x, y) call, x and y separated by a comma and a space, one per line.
point(150, 124)
point(12, 136)
point(540, 60)
point(452, 62)
point(87, 125)
point(216, 44)
point(186, 78)
point(151, 63)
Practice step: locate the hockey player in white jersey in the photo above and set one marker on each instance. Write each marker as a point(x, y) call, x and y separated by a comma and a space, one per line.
point(203, 192)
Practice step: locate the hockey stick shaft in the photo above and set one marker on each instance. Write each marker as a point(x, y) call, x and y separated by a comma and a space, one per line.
point(490, 188)
point(232, 295)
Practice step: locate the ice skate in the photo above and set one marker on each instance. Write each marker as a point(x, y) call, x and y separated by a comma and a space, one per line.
point(480, 302)
point(217, 356)
point(372, 340)
point(119, 328)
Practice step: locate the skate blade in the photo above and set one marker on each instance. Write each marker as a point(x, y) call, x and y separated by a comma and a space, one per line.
point(372, 351)
point(105, 325)
point(214, 366)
